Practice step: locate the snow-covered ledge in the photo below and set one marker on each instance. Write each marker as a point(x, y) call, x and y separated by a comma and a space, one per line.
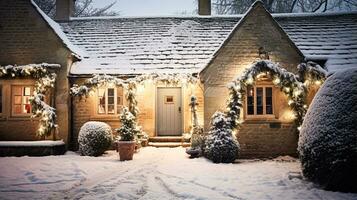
point(42, 143)
point(32, 148)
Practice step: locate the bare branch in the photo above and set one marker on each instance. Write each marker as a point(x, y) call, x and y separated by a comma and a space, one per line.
point(83, 8)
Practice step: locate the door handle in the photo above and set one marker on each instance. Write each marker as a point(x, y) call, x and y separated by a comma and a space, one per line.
point(179, 109)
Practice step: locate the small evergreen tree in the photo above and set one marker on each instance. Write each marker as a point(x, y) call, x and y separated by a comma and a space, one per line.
point(221, 145)
point(129, 129)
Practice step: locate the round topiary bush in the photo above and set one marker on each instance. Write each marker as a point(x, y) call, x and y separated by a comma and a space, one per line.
point(221, 146)
point(328, 137)
point(94, 138)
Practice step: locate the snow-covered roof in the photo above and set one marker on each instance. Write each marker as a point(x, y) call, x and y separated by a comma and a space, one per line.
point(58, 31)
point(136, 45)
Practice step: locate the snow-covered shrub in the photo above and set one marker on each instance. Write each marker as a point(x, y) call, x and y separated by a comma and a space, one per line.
point(221, 145)
point(94, 138)
point(128, 130)
point(197, 137)
point(328, 137)
point(197, 142)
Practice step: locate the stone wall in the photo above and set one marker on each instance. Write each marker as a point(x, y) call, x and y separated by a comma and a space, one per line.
point(85, 109)
point(26, 38)
point(257, 30)
point(264, 139)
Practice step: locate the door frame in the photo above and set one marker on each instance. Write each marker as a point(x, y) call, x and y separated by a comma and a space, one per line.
point(157, 107)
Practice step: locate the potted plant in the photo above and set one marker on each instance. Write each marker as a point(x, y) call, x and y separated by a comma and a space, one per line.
point(127, 135)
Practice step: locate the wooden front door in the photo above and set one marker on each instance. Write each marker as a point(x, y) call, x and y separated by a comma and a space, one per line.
point(169, 112)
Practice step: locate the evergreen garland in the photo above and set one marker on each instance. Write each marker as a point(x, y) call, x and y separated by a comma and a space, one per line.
point(294, 86)
point(130, 84)
point(45, 80)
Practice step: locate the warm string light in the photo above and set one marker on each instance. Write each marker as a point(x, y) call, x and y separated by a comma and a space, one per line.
point(44, 81)
point(289, 83)
point(131, 85)
point(276, 81)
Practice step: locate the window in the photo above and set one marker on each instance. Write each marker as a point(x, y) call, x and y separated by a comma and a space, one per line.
point(259, 100)
point(0, 99)
point(110, 100)
point(169, 99)
point(21, 100)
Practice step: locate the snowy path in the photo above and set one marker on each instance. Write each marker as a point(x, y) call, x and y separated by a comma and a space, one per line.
point(153, 174)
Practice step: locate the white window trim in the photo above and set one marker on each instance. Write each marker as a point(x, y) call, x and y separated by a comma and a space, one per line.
point(264, 115)
point(106, 102)
point(13, 114)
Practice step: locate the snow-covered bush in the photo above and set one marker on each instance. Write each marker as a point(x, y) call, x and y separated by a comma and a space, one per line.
point(128, 130)
point(197, 137)
point(328, 137)
point(94, 138)
point(221, 145)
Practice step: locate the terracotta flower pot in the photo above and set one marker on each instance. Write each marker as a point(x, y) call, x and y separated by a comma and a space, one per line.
point(126, 150)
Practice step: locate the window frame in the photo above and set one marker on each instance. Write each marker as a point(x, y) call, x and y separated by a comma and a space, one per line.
point(264, 115)
point(13, 114)
point(116, 105)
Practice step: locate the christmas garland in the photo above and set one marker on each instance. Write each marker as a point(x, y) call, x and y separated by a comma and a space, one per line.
point(100, 80)
point(44, 81)
point(311, 73)
point(294, 86)
point(130, 84)
point(103, 80)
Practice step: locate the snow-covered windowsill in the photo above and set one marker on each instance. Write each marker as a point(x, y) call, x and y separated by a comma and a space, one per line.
point(42, 143)
point(21, 118)
point(105, 118)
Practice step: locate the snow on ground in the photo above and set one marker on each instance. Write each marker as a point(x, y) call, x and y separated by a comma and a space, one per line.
point(155, 173)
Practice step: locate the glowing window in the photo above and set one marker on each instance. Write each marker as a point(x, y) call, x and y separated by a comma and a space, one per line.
point(259, 100)
point(21, 100)
point(109, 101)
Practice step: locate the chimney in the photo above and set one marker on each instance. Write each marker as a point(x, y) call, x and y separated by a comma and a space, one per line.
point(204, 7)
point(64, 10)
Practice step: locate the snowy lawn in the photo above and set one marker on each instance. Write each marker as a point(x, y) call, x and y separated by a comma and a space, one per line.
point(155, 173)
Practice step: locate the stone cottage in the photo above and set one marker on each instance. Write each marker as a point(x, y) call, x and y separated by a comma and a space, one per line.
point(216, 49)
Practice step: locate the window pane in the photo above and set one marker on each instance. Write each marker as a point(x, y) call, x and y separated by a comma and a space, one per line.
point(27, 91)
point(110, 92)
point(17, 100)
point(120, 91)
point(17, 90)
point(250, 101)
point(17, 109)
point(259, 101)
point(110, 100)
point(26, 100)
point(101, 92)
point(119, 104)
point(119, 99)
point(111, 109)
point(27, 108)
point(101, 109)
point(269, 100)
point(101, 101)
